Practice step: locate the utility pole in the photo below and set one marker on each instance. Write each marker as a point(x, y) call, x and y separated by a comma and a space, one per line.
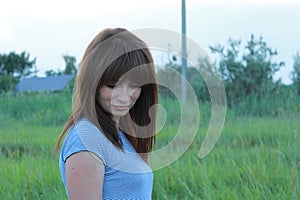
point(184, 54)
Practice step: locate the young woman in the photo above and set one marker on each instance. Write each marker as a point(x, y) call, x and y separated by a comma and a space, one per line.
point(112, 129)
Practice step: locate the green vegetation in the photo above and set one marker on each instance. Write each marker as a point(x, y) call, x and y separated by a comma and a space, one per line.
point(249, 70)
point(14, 66)
point(256, 157)
point(70, 67)
point(296, 72)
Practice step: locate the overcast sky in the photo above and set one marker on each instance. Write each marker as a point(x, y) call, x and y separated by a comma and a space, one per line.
point(50, 29)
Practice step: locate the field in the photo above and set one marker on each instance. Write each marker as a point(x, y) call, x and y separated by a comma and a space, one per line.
point(256, 157)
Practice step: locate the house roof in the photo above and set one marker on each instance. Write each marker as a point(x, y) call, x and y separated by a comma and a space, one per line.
point(37, 84)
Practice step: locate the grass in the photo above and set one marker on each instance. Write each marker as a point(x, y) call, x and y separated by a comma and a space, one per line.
point(255, 157)
point(28, 166)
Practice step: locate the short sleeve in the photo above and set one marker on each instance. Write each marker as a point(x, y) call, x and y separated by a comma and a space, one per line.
point(84, 136)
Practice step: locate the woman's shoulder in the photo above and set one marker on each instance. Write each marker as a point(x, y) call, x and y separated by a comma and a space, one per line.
point(85, 136)
point(83, 123)
point(84, 131)
point(84, 127)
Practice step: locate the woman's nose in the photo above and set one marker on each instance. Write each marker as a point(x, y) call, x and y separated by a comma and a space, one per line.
point(124, 94)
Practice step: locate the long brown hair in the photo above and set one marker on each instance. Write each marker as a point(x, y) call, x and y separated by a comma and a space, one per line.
point(110, 56)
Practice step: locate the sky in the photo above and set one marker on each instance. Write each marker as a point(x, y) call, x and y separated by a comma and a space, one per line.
point(50, 29)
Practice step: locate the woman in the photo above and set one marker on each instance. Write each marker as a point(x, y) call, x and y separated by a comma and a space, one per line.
point(112, 129)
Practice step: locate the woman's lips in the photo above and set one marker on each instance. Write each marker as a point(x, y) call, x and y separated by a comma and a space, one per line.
point(121, 108)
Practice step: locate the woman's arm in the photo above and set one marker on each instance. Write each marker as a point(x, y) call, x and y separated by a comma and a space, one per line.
point(84, 176)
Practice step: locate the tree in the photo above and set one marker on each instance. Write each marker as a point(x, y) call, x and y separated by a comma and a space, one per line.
point(70, 67)
point(295, 75)
point(167, 73)
point(51, 72)
point(250, 73)
point(13, 66)
point(70, 62)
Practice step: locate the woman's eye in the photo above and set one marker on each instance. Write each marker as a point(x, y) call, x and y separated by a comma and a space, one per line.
point(111, 86)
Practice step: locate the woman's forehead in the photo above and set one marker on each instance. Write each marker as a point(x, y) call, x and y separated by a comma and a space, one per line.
point(131, 79)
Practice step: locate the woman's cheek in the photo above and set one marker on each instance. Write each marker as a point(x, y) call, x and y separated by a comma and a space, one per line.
point(136, 94)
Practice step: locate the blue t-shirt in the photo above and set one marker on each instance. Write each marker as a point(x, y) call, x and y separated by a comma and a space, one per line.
point(126, 175)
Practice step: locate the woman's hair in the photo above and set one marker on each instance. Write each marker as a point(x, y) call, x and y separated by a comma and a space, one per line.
point(116, 54)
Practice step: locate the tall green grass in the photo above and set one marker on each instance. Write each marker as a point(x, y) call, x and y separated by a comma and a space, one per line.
point(256, 157)
point(47, 109)
point(282, 102)
point(28, 168)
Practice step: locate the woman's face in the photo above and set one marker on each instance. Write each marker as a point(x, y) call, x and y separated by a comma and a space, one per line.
point(118, 99)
